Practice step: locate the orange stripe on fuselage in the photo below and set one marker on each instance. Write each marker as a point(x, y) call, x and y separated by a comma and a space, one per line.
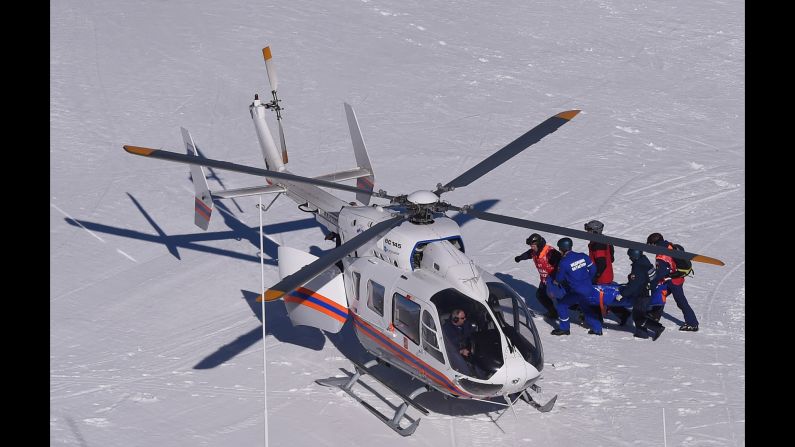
point(326, 300)
point(311, 305)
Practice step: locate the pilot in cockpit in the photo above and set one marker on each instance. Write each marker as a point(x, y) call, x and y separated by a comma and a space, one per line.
point(458, 339)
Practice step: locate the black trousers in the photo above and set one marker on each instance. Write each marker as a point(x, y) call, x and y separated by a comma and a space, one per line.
point(639, 310)
point(544, 299)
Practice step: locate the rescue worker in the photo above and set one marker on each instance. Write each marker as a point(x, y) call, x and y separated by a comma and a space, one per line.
point(546, 259)
point(637, 290)
point(575, 274)
point(603, 255)
point(664, 267)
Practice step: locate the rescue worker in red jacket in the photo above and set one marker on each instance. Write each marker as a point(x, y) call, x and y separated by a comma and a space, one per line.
point(602, 255)
point(546, 259)
point(665, 267)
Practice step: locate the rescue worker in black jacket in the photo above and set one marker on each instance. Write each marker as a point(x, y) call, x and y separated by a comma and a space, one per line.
point(637, 290)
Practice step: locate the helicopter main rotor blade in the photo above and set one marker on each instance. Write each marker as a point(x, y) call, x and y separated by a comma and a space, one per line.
point(530, 138)
point(234, 167)
point(626, 243)
point(285, 159)
point(312, 270)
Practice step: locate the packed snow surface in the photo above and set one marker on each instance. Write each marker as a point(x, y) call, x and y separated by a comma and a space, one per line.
point(155, 337)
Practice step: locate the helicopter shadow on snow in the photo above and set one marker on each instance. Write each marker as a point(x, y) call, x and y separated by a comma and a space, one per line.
point(192, 241)
point(277, 324)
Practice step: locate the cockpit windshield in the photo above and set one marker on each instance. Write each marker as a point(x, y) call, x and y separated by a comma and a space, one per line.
point(516, 322)
point(472, 340)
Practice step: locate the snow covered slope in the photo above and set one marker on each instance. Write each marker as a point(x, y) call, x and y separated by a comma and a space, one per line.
point(155, 336)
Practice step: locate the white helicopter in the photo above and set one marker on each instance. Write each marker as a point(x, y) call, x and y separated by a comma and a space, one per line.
point(401, 270)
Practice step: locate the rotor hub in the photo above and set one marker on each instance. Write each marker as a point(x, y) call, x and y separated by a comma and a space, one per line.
point(422, 197)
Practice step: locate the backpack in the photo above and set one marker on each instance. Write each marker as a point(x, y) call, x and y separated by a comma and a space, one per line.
point(684, 267)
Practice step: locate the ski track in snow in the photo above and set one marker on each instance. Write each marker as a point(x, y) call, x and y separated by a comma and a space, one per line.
point(153, 342)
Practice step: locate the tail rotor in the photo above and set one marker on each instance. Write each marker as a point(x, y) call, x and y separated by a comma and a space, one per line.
point(274, 104)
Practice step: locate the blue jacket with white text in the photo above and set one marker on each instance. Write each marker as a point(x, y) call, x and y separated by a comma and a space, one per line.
point(576, 272)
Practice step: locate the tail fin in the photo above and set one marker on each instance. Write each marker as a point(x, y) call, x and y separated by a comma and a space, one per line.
point(204, 200)
point(362, 159)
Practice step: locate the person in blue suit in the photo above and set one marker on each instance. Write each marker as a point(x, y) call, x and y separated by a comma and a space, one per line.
point(575, 274)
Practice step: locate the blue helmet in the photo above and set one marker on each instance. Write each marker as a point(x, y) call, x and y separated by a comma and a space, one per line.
point(634, 254)
point(564, 244)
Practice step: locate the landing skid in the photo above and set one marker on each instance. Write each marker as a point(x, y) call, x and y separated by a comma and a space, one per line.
point(346, 384)
point(525, 396)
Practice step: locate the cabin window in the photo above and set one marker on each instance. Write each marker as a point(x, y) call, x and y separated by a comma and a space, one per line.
point(430, 342)
point(357, 278)
point(375, 297)
point(514, 318)
point(406, 317)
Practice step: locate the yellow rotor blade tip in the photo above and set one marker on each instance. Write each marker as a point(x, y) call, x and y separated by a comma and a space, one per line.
point(266, 53)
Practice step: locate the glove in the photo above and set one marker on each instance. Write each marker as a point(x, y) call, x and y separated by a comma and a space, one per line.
point(517, 258)
point(619, 297)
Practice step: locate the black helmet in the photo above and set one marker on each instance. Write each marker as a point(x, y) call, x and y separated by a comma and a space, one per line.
point(654, 238)
point(594, 226)
point(634, 253)
point(564, 244)
point(537, 239)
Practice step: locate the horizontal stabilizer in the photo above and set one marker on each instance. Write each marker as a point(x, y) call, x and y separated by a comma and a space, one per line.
point(273, 189)
point(250, 191)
